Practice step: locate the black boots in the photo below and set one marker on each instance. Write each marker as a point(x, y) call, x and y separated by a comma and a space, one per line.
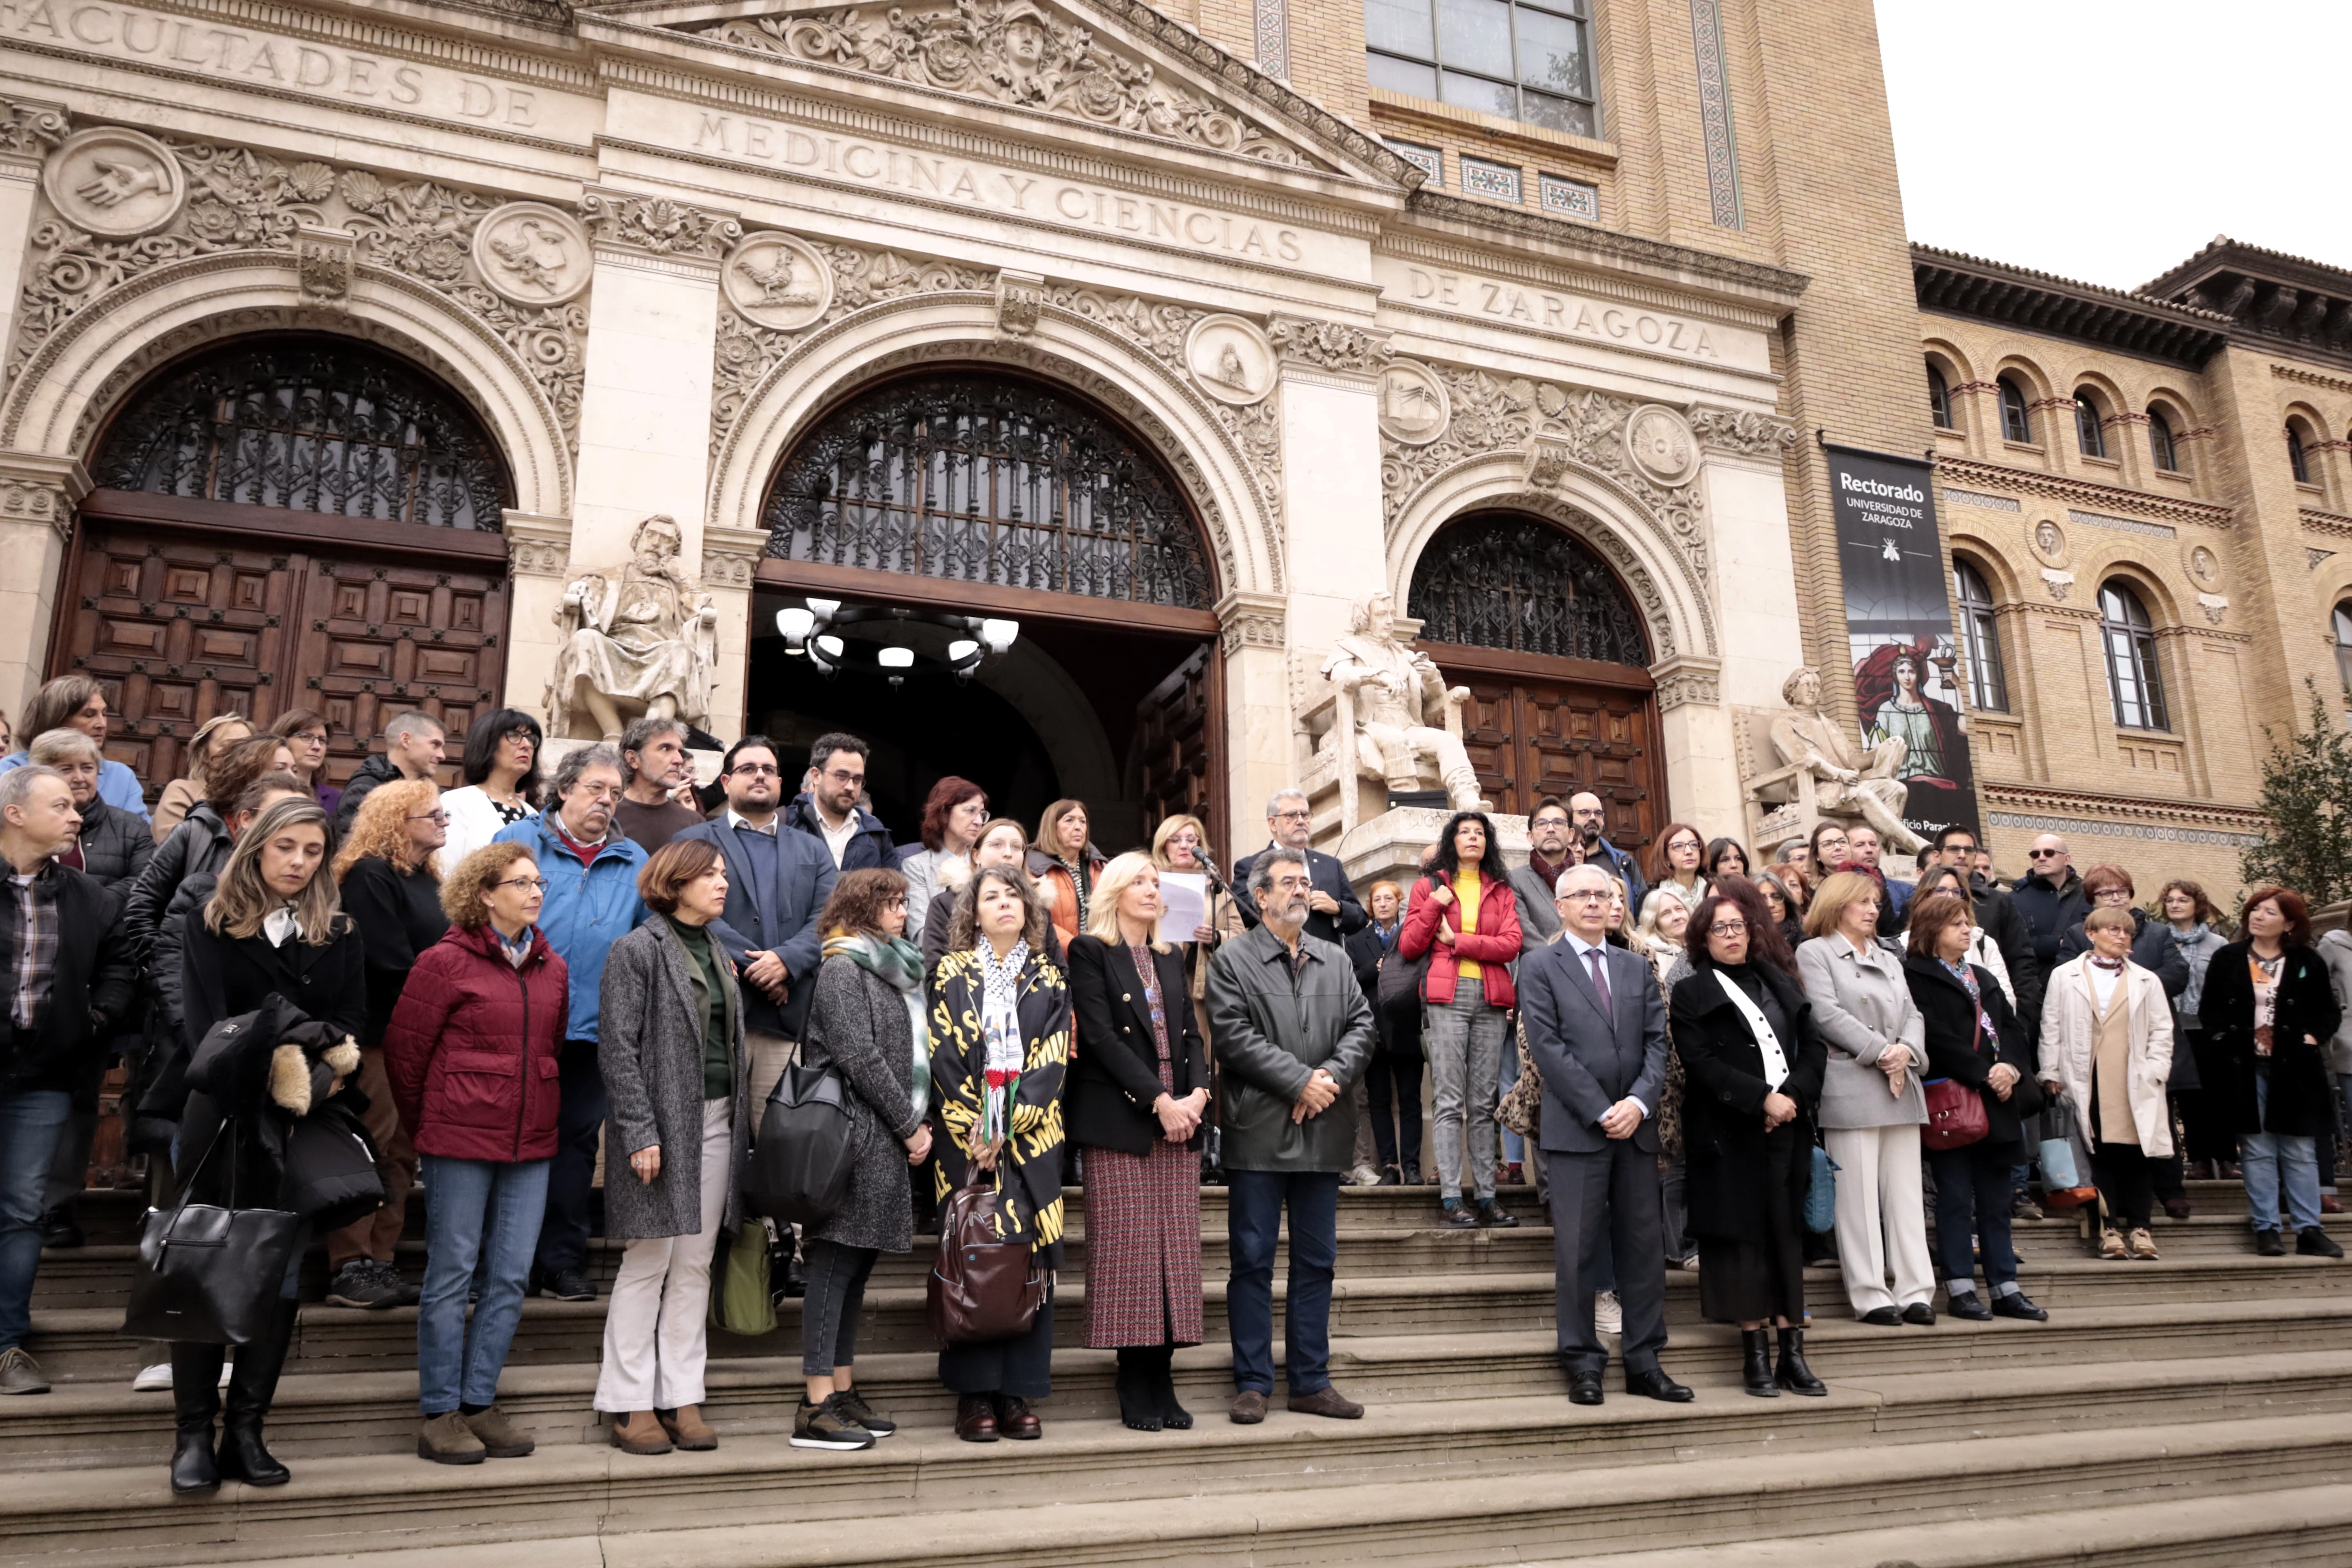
point(195, 1399)
point(1136, 1406)
point(1172, 1416)
point(1756, 1364)
point(1793, 1375)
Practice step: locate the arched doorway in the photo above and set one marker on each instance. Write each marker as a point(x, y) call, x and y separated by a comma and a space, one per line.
point(929, 502)
point(1539, 629)
point(297, 520)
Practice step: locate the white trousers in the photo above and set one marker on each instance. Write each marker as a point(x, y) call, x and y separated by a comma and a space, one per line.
point(1881, 1222)
point(657, 1327)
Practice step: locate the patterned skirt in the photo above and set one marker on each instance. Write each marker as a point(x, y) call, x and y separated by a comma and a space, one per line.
point(1143, 1246)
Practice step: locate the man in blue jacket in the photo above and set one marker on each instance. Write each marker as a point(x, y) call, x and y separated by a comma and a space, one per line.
point(854, 839)
point(591, 904)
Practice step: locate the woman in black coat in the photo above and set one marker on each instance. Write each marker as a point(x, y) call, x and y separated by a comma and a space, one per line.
point(1138, 1092)
point(2270, 1036)
point(1752, 1068)
point(1975, 1040)
point(272, 929)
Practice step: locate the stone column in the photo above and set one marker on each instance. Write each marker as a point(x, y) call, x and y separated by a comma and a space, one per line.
point(730, 557)
point(38, 495)
point(1752, 552)
point(29, 129)
point(1259, 755)
point(539, 562)
point(1334, 541)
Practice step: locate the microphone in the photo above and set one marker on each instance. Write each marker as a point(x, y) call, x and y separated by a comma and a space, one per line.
point(1216, 878)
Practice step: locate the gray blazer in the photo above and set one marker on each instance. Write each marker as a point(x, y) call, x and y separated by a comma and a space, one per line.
point(1862, 1003)
point(1538, 907)
point(1270, 1030)
point(649, 1044)
point(1592, 1057)
point(859, 1024)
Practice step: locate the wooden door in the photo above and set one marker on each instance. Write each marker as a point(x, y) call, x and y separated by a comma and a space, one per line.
point(380, 638)
point(1175, 731)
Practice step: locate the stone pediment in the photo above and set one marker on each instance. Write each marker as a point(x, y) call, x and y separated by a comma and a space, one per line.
point(1114, 64)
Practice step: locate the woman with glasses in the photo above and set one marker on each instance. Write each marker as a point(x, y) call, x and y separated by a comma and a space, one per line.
point(502, 770)
point(304, 730)
point(391, 881)
point(1677, 867)
point(472, 1052)
point(953, 814)
point(2152, 948)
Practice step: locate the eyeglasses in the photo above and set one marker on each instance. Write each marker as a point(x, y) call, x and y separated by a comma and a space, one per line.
point(1292, 816)
point(758, 771)
point(2043, 854)
point(1587, 896)
point(895, 902)
point(597, 793)
point(837, 776)
point(1727, 928)
point(537, 882)
point(2114, 895)
point(440, 816)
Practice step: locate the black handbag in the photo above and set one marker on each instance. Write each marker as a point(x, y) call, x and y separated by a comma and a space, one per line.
point(332, 1174)
point(208, 1275)
point(799, 1165)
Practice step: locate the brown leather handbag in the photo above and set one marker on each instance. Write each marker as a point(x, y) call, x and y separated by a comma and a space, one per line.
point(981, 1287)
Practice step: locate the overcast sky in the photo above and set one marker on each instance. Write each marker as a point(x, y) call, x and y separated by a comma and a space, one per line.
point(2107, 142)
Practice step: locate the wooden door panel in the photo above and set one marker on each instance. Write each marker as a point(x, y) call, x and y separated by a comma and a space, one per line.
point(381, 638)
point(1488, 723)
point(1172, 764)
point(1528, 737)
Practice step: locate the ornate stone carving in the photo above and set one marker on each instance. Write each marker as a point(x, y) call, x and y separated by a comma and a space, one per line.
point(1398, 720)
point(1251, 620)
point(1019, 297)
point(1659, 444)
point(538, 557)
point(326, 260)
point(2215, 606)
point(2204, 566)
point(2312, 557)
point(1742, 432)
point(1547, 462)
point(1413, 406)
point(644, 640)
point(2059, 584)
point(29, 128)
point(1329, 346)
point(2048, 541)
point(727, 569)
point(530, 253)
point(1231, 358)
point(1685, 678)
point(777, 281)
point(114, 182)
point(1014, 52)
point(658, 227)
point(1817, 765)
point(26, 500)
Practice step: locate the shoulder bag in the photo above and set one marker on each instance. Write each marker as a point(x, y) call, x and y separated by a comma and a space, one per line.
point(980, 1288)
point(209, 1275)
point(799, 1165)
point(1955, 1115)
point(1522, 1106)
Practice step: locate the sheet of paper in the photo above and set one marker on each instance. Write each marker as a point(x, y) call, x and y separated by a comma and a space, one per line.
point(1183, 904)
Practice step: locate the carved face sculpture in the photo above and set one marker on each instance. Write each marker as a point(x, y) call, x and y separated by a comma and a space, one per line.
point(1379, 611)
point(1024, 43)
point(657, 542)
point(1807, 691)
point(2047, 537)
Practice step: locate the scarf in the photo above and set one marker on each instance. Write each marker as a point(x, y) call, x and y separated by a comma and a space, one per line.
point(1079, 882)
point(895, 961)
point(519, 950)
point(1767, 1044)
point(1000, 1033)
point(1968, 977)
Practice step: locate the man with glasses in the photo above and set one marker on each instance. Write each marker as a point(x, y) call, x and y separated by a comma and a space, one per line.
point(2050, 897)
point(1590, 819)
point(592, 902)
point(828, 808)
point(1997, 915)
point(651, 812)
point(1596, 1026)
point(1550, 852)
point(1332, 912)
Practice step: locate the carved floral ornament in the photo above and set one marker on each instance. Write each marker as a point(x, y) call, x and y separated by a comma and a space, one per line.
point(327, 221)
point(1013, 52)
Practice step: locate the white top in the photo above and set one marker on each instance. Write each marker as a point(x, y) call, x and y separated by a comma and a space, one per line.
point(474, 821)
point(836, 838)
point(2104, 981)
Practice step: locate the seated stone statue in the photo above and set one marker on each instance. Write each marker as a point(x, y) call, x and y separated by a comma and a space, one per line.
point(1400, 703)
point(645, 642)
point(1809, 736)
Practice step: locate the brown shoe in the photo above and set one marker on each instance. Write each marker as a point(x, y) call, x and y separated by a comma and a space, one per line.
point(975, 1419)
point(1016, 1420)
point(687, 1429)
point(1249, 1407)
point(639, 1433)
point(500, 1437)
point(447, 1440)
point(1327, 1401)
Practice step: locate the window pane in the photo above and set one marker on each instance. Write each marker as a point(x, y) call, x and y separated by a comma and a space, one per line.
point(1475, 35)
point(1558, 113)
point(1400, 26)
point(1398, 76)
point(1551, 54)
point(2343, 627)
point(1469, 92)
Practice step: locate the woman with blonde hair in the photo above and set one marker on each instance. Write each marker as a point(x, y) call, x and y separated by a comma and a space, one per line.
point(1180, 843)
point(1666, 916)
point(214, 735)
point(1139, 1091)
point(392, 890)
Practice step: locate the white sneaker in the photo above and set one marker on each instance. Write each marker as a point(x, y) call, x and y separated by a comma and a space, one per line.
point(156, 1379)
point(1608, 1317)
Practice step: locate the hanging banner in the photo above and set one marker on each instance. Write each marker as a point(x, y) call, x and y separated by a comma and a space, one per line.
point(1898, 625)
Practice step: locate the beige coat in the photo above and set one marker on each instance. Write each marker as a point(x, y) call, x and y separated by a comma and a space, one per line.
point(2070, 1026)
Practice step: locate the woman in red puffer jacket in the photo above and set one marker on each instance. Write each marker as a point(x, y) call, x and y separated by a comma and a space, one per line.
point(1463, 916)
point(472, 1052)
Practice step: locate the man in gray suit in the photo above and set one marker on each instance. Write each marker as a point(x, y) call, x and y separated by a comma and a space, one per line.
point(1535, 885)
point(1597, 1028)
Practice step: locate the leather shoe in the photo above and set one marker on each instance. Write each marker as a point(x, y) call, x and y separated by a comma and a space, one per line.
point(1016, 1420)
point(1921, 1313)
point(2017, 1305)
point(1249, 1407)
point(2314, 1242)
point(687, 1429)
point(1327, 1401)
point(1584, 1388)
point(1970, 1306)
point(2267, 1243)
point(193, 1473)
point(242, 1456)
point(1655, 1384)
point(975, 1419)
point(640, 1432)
point(1882, 1318)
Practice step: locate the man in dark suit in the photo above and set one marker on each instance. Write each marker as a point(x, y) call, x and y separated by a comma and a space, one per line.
point(777, 884)
point(1332, 912)
point(1597, 1029)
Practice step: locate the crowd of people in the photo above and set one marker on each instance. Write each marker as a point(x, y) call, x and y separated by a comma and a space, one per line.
point(514, 987)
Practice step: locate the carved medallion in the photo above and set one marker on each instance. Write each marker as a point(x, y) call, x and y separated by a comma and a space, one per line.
point(1231, 359)
point(533, 255)
point(1659, 441)
point(115, 183)
point(2050, 542)
point(777, 281)
point(1414, 409)
point(2204, 566)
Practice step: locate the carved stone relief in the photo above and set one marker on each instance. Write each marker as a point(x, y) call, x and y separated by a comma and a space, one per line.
point(2050, 542)
point(2204, 566)
point(776, 281)
point(1741, 432)
point(658, 227)
point(1231, 359)
point(29, 128)
point(530, 253)
point(1661, 446)
point(1329, 346)
point(1414, 409)
point(115, 183)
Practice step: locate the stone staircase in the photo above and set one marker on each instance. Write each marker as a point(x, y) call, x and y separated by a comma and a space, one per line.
point(2195, 1410)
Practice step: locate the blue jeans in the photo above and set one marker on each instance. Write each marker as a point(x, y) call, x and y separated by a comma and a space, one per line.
point(1253, 1219)
point(29, 1133)
point(481, 1208)
point(572, 1175)
point(2270, 1160)
point(1972, 1197)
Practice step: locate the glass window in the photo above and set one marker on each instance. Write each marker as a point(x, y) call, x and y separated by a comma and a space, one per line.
point(2087, 433)
point(1520, 59)
point(2159, 443)
point(2016, 424)
point(2344, 646)
point(2297, 458)
point(2134, 681)
point(1979, 639)
point(1939, 398)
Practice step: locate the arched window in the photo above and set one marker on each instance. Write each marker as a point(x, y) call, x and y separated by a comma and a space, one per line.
point(2087, 433)
point(308, 424)
point(2133, 682)
point(2161, 445)
point(982, 477)
point(2298, 457)
point(1939, 397)
point(1521, 583)
point(2016, 423)
point(1979, 639)
point(2344, 646)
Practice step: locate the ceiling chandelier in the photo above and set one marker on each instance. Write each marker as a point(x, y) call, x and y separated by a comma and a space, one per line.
point(815, 631)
